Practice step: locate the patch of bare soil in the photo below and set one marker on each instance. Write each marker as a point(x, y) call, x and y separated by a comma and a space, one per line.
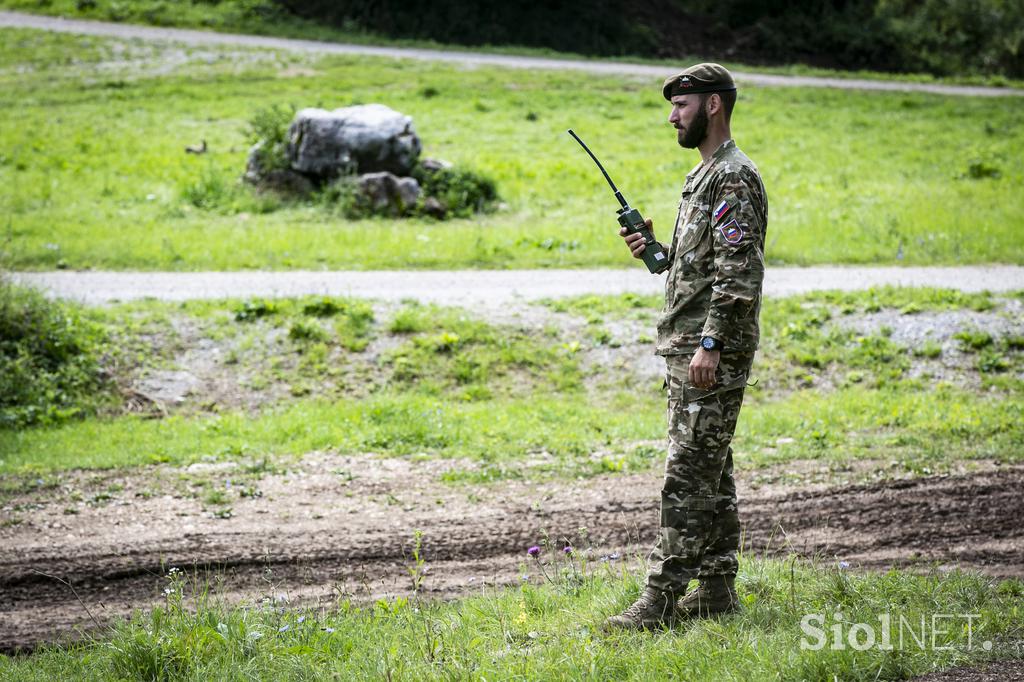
point(331, 526)
point(194, 366)
point(939, 328)
point(996, 671)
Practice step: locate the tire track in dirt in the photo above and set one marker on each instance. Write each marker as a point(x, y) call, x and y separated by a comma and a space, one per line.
point(972, 521)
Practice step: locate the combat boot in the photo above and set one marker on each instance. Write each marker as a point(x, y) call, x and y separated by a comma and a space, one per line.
point(716, 594)
point(653, 609)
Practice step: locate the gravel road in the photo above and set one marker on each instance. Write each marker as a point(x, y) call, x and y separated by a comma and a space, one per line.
point(206, 38)
point(476, 287)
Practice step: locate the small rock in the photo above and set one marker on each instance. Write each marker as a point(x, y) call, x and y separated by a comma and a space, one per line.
point(286, 182)
point(433, 207)
point(434, 165)
point(387, 193)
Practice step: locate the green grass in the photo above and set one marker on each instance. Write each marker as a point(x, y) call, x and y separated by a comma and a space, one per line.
point(431, 350)
point(915, 429)
point(448, 384)
point(487, 430)
point(853, 177)
point(935, 430)
point(553, 630)
point(521, 404)
point(779, 311)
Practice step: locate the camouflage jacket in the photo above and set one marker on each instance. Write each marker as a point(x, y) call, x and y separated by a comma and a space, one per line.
point(717, 257)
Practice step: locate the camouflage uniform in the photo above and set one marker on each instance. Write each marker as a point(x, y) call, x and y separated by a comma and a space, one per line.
point(713, 289)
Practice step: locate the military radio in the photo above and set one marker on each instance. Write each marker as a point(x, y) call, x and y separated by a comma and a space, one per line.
point(654, 256)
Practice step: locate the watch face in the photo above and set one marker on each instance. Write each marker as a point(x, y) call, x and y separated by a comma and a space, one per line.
point(708, 343)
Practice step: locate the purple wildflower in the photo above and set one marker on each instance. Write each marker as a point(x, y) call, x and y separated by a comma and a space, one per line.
point(533, 551)
point(567, 549)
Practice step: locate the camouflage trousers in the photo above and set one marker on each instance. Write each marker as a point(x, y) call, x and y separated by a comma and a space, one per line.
point(700, 527)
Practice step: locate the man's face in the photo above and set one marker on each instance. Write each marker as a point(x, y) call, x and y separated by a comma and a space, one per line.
point(690, 119)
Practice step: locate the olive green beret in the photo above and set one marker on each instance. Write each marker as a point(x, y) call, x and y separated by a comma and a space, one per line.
point(697, 79)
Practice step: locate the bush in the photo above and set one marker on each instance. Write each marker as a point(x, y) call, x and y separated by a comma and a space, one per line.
point(591, 26)
point(941, 37)
point(49, 360)
point(460, 191)
point(268, 128)
point(303, 330)
point(254, 309)
point(955, 36)
point(342, 194)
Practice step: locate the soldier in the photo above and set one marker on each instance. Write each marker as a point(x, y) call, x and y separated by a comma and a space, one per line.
point(708, 334)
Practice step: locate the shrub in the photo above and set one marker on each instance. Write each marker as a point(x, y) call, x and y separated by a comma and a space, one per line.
point(302, 330)
point(409, 321)
point(268, 128)
point(595, 26)
point(343, 195)
point(50, 366)
point(942, 37)
point(355, 327)
point(254, 309)
point(979, 169)
point(322, 307)
point(460, 191)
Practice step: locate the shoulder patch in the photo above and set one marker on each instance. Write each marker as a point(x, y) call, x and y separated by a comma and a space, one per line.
point(732, 232)
point(724, 207)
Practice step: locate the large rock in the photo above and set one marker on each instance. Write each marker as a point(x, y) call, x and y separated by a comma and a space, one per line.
point(363, 139)
point(385, 193)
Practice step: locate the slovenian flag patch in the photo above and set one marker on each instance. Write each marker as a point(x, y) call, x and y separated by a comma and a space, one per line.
point(732, 232)
point(722, 209)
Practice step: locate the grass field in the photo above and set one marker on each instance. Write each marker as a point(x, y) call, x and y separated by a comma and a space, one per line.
point(94, 172)
point(552, 632)
point(838, 384)
point(831, 385)
point(905, 381)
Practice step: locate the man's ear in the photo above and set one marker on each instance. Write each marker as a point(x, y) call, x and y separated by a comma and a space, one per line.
point(714, 104)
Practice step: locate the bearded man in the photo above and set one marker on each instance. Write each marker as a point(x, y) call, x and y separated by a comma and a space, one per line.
point(708, 334)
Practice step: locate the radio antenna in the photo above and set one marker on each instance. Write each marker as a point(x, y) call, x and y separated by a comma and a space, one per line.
point(618, 194)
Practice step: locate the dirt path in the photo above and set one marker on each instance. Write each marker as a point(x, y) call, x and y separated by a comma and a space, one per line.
point(482, 287)
point(206, 38)
point(336, 526)
point(995, 671)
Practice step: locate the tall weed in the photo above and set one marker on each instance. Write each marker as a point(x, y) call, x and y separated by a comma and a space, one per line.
point(50, 363)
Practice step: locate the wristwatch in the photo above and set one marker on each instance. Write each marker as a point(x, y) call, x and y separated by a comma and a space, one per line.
point(711, 343)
